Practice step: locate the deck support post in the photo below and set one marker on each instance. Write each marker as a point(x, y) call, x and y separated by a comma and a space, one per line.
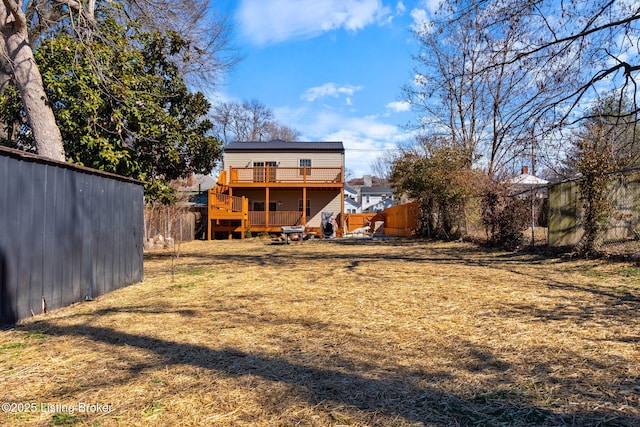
point(304, 206)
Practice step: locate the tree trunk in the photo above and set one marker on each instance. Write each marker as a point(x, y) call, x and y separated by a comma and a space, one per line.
point(46, 133)
point(5, 79)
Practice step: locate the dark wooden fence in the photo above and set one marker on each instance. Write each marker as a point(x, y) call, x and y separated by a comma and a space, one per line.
point(566, 213)
point(66, 234)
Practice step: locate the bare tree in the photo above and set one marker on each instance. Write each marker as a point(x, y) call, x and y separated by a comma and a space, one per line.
point(443, 93)
point(466, 90)
point(250, 121)
point(382, 166)
point(276, 131)
point(595, 40)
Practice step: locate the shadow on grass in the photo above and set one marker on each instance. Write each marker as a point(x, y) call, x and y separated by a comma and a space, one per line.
point(611, 303)
point(396, 395)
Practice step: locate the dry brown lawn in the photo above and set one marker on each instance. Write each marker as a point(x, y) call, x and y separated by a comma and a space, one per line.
point(331, 333)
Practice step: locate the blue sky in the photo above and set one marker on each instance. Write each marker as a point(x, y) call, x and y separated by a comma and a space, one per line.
point(332, 69)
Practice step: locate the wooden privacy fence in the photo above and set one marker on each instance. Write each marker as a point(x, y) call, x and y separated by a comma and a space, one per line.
point(398, 220)
point(401, 220)
point(566, 212)
point(66, 234)
point(353, 221)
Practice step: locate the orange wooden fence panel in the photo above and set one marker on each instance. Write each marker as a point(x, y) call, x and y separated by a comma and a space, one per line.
point(398, 220)
point(353, 221)
point(401, 220)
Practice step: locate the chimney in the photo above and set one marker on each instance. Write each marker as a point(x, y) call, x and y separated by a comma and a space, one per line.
point(525, 170)
point(368, 181)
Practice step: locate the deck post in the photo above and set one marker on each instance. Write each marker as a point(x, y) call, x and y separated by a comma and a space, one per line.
point(245, 215)
point(304, 206)
point(341, 225)
point(266, 206)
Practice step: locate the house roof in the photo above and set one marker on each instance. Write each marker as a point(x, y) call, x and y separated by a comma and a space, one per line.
point(348, 189)
point(352, 202)
point(528, 180)
point(375, 181)
point(376, 189)
point(278, 145)
point(199, 183)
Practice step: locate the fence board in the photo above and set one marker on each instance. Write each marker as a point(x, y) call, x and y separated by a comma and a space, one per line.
point(66, 233)
point(398, 220)
point(353, 221)
point(401, 220)
point(566, 211)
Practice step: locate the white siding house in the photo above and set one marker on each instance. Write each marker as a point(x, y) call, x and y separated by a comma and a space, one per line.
point(375, 199)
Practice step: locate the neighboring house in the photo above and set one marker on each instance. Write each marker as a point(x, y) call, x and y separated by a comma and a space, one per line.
point(373, 193)
point(194, 189)
point(526, 184)
point(350, 193)
point(266, 185)
point(351, 206)
point(375, 199)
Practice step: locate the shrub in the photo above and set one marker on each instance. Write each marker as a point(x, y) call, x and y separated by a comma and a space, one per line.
point(504, 218)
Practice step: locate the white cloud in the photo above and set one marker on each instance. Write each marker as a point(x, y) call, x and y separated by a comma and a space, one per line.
point(278, 20)
point(400, 8)
point(398, 106)
point(433, 5)
point(421, 20)
point(330, 89)
point(364, 138)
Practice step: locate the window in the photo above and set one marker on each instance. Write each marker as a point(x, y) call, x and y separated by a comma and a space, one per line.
point(305, 166)
point(308, 210)
point(259, 206)
point(260, 171)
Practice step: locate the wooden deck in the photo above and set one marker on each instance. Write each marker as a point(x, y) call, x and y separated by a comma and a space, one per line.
point(229, 214)
point(274, 176)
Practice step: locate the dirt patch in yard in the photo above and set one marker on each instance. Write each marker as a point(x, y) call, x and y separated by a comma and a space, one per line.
point(328, 333)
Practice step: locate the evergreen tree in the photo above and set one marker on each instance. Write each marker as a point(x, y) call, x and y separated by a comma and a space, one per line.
point(122, 104)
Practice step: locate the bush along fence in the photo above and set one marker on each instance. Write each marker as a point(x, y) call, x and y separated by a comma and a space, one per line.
point(550, 215)
point(67, 234)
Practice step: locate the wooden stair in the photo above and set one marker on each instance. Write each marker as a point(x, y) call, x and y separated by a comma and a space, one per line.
point(228, 214)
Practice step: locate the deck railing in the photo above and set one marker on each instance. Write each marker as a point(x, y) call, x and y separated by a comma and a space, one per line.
point(225, 202)
point(285, 175)
point(276, 219)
